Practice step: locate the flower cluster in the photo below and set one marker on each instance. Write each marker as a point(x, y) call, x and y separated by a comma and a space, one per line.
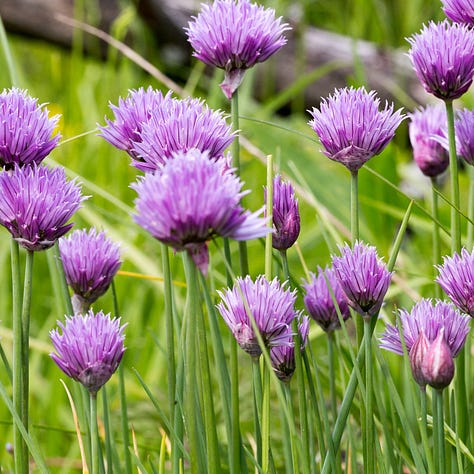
point(459, 11)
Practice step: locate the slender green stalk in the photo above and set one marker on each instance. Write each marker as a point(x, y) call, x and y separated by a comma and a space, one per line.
point(266, 420)
point(284, 265)
point(470, 209)
point(235, 408)
point(369, 397)
point(269, 215)
point(354, 206)
point(438, 429)
point(109, 439)
point(94, 435)
point(257, 405)
point(8, 55)
point(424, 431)
point(292, 435)
point(436, 239)
point(332, 375)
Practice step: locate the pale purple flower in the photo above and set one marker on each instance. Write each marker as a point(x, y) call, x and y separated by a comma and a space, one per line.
point(283, 357)
point(459, 11)
point(363, 277)
point(90, 261)
point(286, 215)
point(428, 317)
point(192, 200)
point(234, 36)
point(443, 58)
point(319, 301)
point(351, 127)
point(26, 130)
point(464, 125)
point(417, 355)
point(180, 125)
point(270, 304)
point(89, 348)
point(456, 278)
point(37, 203)
point(426, 126)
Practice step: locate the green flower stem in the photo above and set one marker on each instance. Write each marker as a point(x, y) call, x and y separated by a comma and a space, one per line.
point(424, 431)
point(257, 405)
point(436, 239)
point(94, 434)
point(266, 420)
point(284, 265)
point(332, 375)
point(369, 397)
point(438, 429)
point(354, 206)
point(292, 434)
point(470, 211)
point(235, 408)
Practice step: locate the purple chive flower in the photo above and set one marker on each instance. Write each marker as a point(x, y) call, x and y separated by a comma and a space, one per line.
point(459, 11)
point(464, 125)
point(351, 127)
point(417, 356)
point(89, 349)
point(90, 262)
point(443, 58)
point(456, 278)
point(319, 302)
point(234, 36)
point(428, 317)
point(192, 200)
point(180, 125)
point(425, 128)
point(286, 215)
point(363, 277)
point(270, 303)
point(26, 131)
point(36, 204)
point(283, 357)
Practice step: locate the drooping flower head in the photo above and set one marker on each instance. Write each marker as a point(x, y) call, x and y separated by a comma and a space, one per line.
point(89, 348)
point(270, 303)
point(234, 35)
point(90, 261)
point(319, 301)
point(37, 202)
point(286, 215)
point(351, 127)
point(363, 277)
point(283, 357)
point(443, 58)
point(192, 200)
point(456, 278)
point(459, 11)
point(426, 126)
point(26, 131)
point(180, 125)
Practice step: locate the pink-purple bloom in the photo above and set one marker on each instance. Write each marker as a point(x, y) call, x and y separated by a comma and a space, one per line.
point(26, 131)
point(89, 348)
point(351, 127)
point(192, 200)
point(464, 125)
point(269, 303)
point(426, 126)
point(443, 58)
point(459, 11)
point(320, 302)
point(234, 35)
point(37, 203)
point(90, 260)
point(363, 277)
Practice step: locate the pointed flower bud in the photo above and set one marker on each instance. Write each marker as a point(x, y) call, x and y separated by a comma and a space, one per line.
point(417, 356)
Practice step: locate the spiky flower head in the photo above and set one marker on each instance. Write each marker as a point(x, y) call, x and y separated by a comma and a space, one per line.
point(37, 202)
point(283, 357)
point(269, 303)
point(234, 35)
point(319, 301)
point(429, 317)
point(363, 277)
point(180, 125)
point(442, 55)
point(351, 127)
point(89, 348)
point(426, 126)
point(459, 11)
point(192, 200)
point(286, 215)
point(464, 125)
point(90, 260)
point(26, 132)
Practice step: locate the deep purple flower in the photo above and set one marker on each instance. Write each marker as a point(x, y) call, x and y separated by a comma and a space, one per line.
point(428, 317)
point(443, 58)
point(363, 277)
point(319, 302)
point(456, 278)
point(89, 349)
point(193, 199)
point(351, 127)
point(90, 262)
point(426, 127)
point(286, 215)
point(459, 11)
point(36, 204)
point(283, 357)
point(271, 304)
point(180, 125)
point(26, 131)
point(234, 36)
